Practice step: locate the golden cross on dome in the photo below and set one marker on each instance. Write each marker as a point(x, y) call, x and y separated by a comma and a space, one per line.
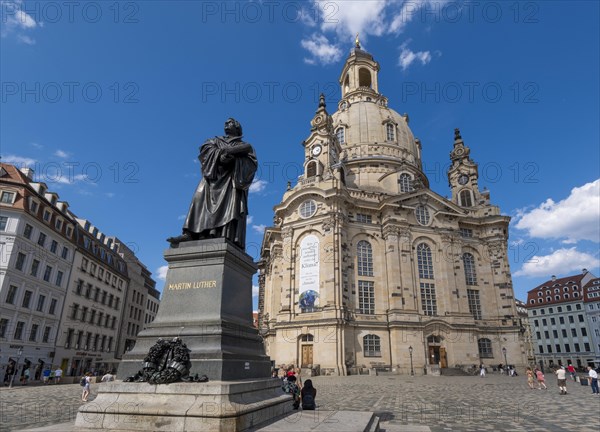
point(357, 42)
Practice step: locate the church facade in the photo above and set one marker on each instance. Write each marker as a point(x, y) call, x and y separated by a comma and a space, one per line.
point(367, 268)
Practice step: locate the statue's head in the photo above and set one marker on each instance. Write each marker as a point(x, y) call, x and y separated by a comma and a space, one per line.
point(233, 127)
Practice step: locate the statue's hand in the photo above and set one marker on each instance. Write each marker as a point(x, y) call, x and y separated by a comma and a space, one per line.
point(226, 158)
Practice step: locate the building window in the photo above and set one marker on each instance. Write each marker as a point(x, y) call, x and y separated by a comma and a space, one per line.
point(47, 273)
point(74, 311)
point(47, 216)
point(541, 349)
point(42, 239)
point(372, 346)
point(33, 333)
point(3, 223)
point(311, 169)
point(53, 246)
point(69, 338)
point(405, 182)
point(364, 254)
point(26, 299)
point(389, 132)
point(470, 272)
point(552, 320)
point(422, 215)
point(46, 336)
point(20, 261)
point(69, 232)
point(7, 197)
point(84, 313)
point(12, 294)
point(52, 309)
point(41, 301)
point(3, 327)
point(425, 261)
point(364, 218)
point(19, 330)
point(561, 320)
point(340, 133)
point(33, 207)
point(581, 318)
point(307, 209)
point(428, 299)
point(366, 297)
point(485, 348)
point(65, 253)
point(474, 303)
point(466, 199)
point(574, 332)
point(84, 264)
point(583, 332)
point(466, 233)
point(59, 277)
point(27, 231)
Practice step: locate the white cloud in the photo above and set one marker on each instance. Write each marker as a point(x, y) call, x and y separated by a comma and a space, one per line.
point(249, 219)
point(161, 272)
point(258, 186)
point(408, 57)
point(37, 146)
point(414, 8)
point(574, 218)
point(559, 262)
point(110, 194)
point(66, 179)
point(16, 21)
point(254, 290)
point(61, 154)
point(259, 228)
point(18, 161)
point(350, 17)
point(321, 49)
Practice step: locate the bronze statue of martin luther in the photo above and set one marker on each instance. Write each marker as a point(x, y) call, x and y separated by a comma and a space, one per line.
point(220, 204)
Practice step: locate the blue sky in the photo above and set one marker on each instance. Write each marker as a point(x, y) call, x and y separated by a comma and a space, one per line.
point(109, 103)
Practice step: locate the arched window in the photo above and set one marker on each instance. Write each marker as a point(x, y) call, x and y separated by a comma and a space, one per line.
point(372, 346)
point(390, 132)
point(422, 215)
point(485, 348)
point(347, 84)
point(340, 133)
point(575, 294)
point(566, 295)
point(364, 78)
point(532, 301)
point(405, 181)
point(557, 291)
point(311, 169)
point(470, 272)
point(364, 254)
point(557, 297)
point(466, 199)
point(425, 261)
point(307, 338)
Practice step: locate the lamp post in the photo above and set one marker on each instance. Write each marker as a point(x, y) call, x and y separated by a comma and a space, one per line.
point(412, 371)
point(505, 361)
point(12, 378)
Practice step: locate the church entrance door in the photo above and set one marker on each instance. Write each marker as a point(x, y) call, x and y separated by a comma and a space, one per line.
point(434, 354)
point(443, 360)
point(307, 355)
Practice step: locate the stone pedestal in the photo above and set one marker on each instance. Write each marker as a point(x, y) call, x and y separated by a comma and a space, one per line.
point(212, 406)
point(207, 302)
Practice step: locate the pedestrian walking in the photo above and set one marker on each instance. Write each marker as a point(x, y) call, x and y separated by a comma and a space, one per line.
point(561, 375)
point(57, 375)
point(530, 378)
point(541, 379)
point(594, 379)
point(10, 371)
point(482, 370)
point(85, 382)
point(571, 370)
point(46, 375)
point(26, 374)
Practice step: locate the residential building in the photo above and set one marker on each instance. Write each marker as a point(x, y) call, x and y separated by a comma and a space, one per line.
point(591, 300)
point(93, 305)
point(141, 302)
point(37, 252)
point(560, 327)
point(366, 267)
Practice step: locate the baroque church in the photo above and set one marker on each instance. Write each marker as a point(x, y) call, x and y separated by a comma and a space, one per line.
point(367, 268)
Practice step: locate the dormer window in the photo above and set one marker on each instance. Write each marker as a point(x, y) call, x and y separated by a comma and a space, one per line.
point(340, 133)
point(33, 207)
point(58, 224)
point(390, 132)
point(7, 197)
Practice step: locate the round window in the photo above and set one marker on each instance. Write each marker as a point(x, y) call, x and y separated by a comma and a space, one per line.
point(422, 214)
point(307, 209)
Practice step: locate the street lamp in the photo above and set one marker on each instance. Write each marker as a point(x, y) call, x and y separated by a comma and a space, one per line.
point(505, 361)
point(412, 371)
point(12, 378)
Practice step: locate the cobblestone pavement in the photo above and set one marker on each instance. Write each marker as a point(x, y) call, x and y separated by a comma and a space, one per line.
point(443, 404)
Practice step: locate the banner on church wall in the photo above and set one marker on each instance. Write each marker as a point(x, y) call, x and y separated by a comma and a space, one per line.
point(309, 272)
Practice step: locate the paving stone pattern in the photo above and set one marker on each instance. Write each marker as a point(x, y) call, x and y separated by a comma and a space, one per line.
point(494, 403)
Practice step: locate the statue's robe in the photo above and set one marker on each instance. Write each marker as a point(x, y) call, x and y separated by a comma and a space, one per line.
point(220, 204)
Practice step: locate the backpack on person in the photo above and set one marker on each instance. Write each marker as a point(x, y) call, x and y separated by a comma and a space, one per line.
point(83, 381)
point(308, 402)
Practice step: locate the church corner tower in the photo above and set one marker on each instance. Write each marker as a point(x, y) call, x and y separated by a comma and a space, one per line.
point(364, 261)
